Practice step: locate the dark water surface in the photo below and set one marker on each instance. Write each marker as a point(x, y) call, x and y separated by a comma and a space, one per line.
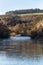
point(21, 51)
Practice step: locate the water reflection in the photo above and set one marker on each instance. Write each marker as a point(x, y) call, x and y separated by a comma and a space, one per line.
point(27, 50)
point(22, 47)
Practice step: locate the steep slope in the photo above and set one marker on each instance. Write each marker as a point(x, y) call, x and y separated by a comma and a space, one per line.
point(23, 25)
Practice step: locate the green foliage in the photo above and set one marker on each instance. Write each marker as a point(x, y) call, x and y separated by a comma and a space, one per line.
point(25, 11)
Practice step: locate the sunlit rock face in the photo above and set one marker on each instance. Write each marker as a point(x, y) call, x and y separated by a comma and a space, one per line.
point(22, 25)
point(37, 29)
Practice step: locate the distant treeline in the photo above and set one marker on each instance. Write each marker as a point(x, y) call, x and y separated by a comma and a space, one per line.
point(25, 11)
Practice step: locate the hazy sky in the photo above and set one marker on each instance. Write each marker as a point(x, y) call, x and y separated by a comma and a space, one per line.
point(7, 5)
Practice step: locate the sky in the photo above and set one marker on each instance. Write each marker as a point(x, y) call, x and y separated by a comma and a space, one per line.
point(8, 5)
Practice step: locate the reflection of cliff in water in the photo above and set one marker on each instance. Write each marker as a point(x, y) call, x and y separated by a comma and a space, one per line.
point(30, 48)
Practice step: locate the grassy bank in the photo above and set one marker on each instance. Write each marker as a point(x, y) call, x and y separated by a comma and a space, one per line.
point(30, 14)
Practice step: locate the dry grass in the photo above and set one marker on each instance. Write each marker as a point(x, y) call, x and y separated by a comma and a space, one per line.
point(30, 14)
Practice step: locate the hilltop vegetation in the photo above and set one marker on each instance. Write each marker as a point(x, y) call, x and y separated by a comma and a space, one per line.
point(25, 11)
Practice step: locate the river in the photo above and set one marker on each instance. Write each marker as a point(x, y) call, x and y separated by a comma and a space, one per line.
point(21, 51)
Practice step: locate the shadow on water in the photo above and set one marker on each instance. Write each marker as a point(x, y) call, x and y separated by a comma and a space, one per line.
point(26, 48)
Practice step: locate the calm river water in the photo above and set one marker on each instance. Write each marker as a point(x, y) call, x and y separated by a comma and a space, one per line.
point(21, 51)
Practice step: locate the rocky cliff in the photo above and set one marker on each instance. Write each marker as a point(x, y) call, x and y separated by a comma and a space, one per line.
point(31, 25)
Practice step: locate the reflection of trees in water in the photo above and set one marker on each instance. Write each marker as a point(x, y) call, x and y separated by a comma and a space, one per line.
point(32, 48)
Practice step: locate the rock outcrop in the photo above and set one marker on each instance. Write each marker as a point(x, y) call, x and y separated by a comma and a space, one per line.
point(31, 25)
point(4, 31)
